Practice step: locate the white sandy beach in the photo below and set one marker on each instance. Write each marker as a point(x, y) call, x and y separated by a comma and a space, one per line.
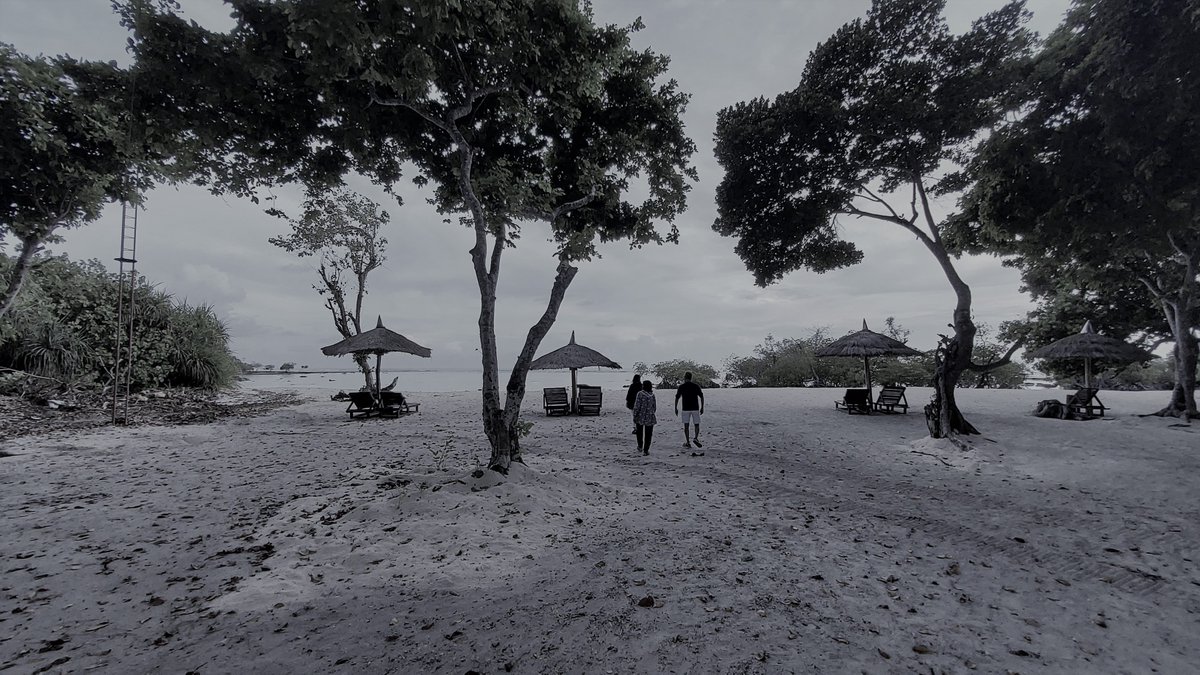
point(804, 540)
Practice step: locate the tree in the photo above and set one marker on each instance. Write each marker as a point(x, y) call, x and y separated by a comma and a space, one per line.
point(64, 152)
point(287, 367)
point(883, 108)
point(1094, 181)
point(670, 373)
point(342, 229)
point(512, 111)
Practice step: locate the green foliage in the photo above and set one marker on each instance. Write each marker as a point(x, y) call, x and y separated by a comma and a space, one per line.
point(63, 327)
point(287, 367)
point(885, 102)
point(65, 151)
point(543, 106)
point(1091, 189)
point(523, 428)
point(670, 373)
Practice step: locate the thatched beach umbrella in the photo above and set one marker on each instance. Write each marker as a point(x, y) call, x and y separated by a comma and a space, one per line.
point(377, 341)
point(1088, 345)
point(573, 356)
point(867, 343)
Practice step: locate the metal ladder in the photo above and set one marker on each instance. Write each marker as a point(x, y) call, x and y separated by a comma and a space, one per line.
point(123, 355)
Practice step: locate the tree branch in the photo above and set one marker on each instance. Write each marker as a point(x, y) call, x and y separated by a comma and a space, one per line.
point(425, 114)
point(933, 230)
point(1000, 362)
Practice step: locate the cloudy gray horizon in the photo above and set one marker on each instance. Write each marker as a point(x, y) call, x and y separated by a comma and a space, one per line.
point(694, 300)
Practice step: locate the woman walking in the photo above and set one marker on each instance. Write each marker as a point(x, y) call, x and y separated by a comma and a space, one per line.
point(631, 395)
point(643, 416)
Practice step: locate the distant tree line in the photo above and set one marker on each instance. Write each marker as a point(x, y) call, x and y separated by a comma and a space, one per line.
point(792, 362)
point(59, 331)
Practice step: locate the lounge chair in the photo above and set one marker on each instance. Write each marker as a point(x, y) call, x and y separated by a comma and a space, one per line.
point(1085, 403)
point(362, 404)
point(555, 400)
point(855, 401)
point(890, 399)
point(589, 400)
point(396, 400)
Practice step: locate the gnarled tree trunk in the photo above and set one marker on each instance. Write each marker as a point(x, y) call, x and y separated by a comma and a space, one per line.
point(29, 248)
point(1180, 308)
point(952, 359)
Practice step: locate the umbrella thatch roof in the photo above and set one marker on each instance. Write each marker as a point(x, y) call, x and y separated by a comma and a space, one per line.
point(1088, 344)
point(572, 356)
point(866, 343)
point(378, 340)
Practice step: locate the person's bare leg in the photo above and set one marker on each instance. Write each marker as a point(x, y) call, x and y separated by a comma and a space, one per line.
point(687, 442)
point(696, 435)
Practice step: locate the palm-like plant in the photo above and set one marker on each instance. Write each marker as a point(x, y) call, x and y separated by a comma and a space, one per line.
point(52, 349)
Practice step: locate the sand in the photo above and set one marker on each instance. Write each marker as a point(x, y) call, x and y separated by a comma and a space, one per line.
point(803, 540)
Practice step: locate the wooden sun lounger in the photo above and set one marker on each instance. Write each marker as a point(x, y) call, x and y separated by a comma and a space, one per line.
point(362, 404)
point(1085, 403)
point(396, 400)
point(590, 399)
point(856, 401)
point(555, 400)
point(891, 400)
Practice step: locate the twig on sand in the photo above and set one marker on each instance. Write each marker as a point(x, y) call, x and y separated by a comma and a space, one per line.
point(930, 454)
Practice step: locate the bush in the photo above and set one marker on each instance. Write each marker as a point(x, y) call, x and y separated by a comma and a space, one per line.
point(670, 373)
point(63, 322)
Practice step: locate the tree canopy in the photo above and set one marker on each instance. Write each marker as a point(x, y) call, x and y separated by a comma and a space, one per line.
point(1093, 185)
point(64, 151)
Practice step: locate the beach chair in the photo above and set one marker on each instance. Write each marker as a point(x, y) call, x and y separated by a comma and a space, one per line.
point(891, 400)
point(856, 401)
point(1085, 403)
point(589, 400)
point(362, 404)
point(395, 399)
point(554, 399)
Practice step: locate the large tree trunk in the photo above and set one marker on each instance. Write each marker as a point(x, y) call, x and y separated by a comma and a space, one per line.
point(943, 414)
point(29, 248)
point(952, 358)
point(1180, 309)
point(1183, 396)
point(365, 366)
point(516, 382)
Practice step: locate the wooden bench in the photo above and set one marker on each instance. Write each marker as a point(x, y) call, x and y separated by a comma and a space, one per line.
point(589, 400)
point(554, 399)
point(890, 399)
point(395, 400)
point(856, 401)
point(362, 404)
point(1085, 403)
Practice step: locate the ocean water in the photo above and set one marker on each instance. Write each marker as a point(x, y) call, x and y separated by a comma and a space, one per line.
point(429, 381)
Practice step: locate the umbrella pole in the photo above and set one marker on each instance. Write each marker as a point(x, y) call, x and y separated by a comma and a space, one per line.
point(378, 360)
point(1087, 372)
point(573, 405)
point(867, 367)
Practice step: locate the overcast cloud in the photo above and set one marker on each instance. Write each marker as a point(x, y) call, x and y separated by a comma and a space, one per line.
point(694, 300)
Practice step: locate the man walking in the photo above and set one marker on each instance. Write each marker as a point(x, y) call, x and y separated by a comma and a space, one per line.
point(693, 408)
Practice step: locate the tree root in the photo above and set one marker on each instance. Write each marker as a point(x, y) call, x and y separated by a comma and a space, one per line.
point(930, 454)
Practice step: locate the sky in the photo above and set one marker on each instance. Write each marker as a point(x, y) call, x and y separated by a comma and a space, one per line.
point(694, 300)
